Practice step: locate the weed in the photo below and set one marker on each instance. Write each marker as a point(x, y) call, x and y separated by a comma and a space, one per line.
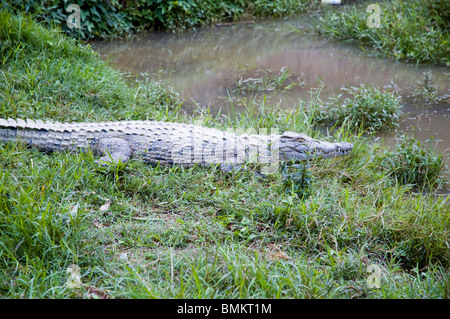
point(368, 108)
point(298, 182)
point(411, 163)
point(426, 92)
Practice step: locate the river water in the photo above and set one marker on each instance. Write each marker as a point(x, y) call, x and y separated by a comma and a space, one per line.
point(205, 66)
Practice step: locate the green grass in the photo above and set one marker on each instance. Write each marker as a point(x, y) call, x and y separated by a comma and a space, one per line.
point(415, 31)
point(195, 233)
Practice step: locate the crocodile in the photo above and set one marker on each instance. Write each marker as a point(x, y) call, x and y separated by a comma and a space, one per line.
point(168, 143)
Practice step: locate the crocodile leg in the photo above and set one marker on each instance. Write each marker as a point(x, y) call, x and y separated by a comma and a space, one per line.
point(113, 150)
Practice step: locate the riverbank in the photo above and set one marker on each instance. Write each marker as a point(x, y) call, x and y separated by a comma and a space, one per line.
point(140, 231)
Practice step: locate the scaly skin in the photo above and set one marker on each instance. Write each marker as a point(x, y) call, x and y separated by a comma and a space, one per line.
point(168, 143)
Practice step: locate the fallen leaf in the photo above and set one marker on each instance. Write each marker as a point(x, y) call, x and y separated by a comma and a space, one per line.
point(105, 206)
point(74, 211)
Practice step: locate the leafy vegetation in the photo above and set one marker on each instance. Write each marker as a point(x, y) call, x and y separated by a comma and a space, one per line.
point(414, 31)
point(137, 231)
point(116, 17)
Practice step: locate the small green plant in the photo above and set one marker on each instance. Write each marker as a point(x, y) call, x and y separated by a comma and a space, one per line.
point(368, 108)
point(299, 181)
point(411, 163)
point(426, 92)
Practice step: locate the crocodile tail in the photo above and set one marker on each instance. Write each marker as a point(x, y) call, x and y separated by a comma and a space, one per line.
point(46, 136)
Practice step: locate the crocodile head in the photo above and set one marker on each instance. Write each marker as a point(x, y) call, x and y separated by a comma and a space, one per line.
point(298, 146)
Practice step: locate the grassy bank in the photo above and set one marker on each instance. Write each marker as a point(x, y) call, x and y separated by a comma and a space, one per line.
point(140, 231)
point(414, 31)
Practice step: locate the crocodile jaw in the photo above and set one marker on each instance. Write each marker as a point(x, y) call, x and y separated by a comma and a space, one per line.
point(299, 146)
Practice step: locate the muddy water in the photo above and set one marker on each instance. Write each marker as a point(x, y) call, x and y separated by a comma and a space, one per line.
point(206, 65)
